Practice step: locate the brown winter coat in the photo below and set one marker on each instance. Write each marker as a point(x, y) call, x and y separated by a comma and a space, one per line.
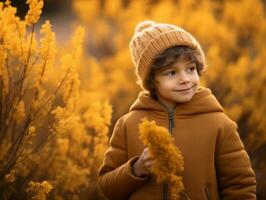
point(216, 166)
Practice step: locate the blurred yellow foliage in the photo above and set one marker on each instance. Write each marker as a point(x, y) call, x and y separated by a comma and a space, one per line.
point(54, 121)
point(53, 131)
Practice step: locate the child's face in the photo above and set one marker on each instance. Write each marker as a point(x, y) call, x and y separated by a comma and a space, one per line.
point(176, 83)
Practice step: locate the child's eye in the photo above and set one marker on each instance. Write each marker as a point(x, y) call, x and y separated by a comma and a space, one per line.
point(170, 73)
point(191, 68)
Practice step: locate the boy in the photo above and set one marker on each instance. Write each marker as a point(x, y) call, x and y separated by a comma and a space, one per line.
point(168, 63)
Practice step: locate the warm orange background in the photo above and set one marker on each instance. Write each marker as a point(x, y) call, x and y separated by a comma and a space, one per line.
point(56, 153)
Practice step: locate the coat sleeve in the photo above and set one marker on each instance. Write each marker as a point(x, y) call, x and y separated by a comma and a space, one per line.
point(115, 175)
point(236, 179)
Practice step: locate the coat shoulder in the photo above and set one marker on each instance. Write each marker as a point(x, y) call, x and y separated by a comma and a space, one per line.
point(221, 119)
point(133, 117)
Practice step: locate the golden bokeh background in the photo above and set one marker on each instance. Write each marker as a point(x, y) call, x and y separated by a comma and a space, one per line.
point(64, 83)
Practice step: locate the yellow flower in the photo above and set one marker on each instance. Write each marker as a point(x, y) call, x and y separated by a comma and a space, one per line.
point(39, 191)
point(47, 187)
point(11, 30)
point(77, 42)
point(169, 161)
point(32, 131)
point(70, 62)
point(48, 46)
point(34, 12)
point(7, 2)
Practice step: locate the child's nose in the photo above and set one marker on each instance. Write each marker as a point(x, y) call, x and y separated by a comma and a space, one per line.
point(183, 78)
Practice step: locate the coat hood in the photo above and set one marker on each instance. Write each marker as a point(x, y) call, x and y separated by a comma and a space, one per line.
point(203, 101)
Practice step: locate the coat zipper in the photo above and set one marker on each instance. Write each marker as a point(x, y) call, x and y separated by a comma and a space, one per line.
point(171, 121)
point(171, 126)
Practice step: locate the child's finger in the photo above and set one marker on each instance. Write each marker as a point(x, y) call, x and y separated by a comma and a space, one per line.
point(149, 164)
point(149, 157)
point(148, 153)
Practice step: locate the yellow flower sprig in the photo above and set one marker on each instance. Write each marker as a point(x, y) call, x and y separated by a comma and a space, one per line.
point(34, 12)
point(169, 162)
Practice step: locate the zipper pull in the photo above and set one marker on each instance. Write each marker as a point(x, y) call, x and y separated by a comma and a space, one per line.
point(171, 120)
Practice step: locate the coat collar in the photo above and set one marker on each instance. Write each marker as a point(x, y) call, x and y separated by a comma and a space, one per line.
point(203, 101)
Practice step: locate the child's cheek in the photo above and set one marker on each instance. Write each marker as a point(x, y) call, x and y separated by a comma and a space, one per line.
point(169, 85)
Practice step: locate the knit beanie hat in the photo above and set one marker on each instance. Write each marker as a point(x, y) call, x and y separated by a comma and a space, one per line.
point(151, 39)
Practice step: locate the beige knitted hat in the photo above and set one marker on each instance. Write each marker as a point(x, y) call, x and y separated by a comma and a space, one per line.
point(151, 39)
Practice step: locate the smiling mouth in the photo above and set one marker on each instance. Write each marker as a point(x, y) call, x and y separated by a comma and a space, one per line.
point(184, 90)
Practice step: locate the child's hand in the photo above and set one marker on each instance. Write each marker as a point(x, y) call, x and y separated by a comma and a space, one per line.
point(143, 165)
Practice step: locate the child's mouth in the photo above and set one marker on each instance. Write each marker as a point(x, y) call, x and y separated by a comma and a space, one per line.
point(184, 90)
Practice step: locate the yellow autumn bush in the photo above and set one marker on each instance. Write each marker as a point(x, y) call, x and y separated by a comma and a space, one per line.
point(169, 163)
point(53, 131)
